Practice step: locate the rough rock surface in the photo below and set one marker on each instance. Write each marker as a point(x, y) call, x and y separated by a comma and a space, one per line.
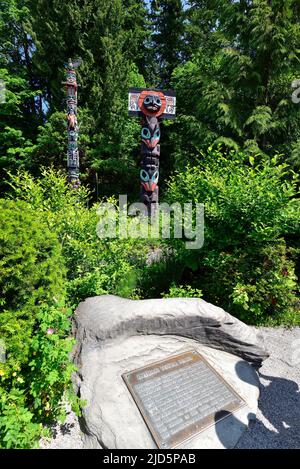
point(112, 420)
point(103, 318)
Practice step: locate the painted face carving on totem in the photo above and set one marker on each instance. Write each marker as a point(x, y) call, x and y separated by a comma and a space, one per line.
point(150, 132)
point(71, 78)
point(138, 103)
point(149, 179)
point(72, 136)
point(152, 103)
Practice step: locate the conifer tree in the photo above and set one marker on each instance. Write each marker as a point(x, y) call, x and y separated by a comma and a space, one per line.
point(108, 36)
point(237, 85)
point(20, 111)
point(167, 21)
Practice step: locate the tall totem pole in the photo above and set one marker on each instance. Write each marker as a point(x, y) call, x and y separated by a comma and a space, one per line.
point(152, 106)
point(72, 127)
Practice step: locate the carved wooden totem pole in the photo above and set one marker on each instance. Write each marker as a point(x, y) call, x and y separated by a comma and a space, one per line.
point(73, 155)
point(152, 106)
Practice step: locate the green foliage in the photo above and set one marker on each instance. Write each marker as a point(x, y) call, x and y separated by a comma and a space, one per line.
point(182, 291)
point(236, 87)
point(37, 370)
point(20, 114)
point(15, 140)
point(94, 265)
point(244, 265)
point(264, 286)
point(31, 269)
point(31, 272)
point(108, 36)
point(167, 24)
point(50, 368)
point(17, 430)
point(37, 391)
point(50, 250)
point(37, 37)
point(232, 65)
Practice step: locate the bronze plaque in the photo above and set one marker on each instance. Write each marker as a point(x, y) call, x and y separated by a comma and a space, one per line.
point(179, 397)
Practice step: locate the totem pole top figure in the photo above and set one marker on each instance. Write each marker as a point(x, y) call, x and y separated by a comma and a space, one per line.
point(151, 103)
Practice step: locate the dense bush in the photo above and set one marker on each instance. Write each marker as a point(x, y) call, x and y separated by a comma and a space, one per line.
point(94, 265)
point(31, 273)
point(250, 208)
point(35, 390)
point(32, 276)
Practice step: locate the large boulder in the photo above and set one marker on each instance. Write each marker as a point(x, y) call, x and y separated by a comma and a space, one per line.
point(115, 335)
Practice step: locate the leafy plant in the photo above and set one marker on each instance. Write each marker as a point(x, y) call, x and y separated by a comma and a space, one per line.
point(17, 430)
point(95, 265)
point(35, 379)
point(250, 209)
point(183, 291)
point(50, 367)
point(31, 273)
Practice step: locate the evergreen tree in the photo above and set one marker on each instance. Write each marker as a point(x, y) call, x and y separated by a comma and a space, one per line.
point(108, 36)
point(20, 113)
point(236, 89)
point(167, 20)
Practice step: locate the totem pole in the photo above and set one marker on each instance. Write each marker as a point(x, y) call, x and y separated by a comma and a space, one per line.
point(72, 155)
point(152, 106)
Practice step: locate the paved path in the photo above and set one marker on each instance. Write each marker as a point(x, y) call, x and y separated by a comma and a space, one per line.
point(278, 417)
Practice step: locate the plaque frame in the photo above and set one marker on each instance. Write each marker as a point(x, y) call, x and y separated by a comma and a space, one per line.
point(130, 379)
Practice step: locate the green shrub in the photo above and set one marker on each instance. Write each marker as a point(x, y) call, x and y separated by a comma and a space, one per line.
point(250, 209)
point(50, 369)
point(31, 273)
point(31, 266)
point(17, 430)
point(183, 291)
point(51, 258)
point(35, 391)
point(36, 374)
point(94, 265)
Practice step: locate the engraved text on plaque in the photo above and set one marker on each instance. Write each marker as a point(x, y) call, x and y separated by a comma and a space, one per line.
point(178, 397)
